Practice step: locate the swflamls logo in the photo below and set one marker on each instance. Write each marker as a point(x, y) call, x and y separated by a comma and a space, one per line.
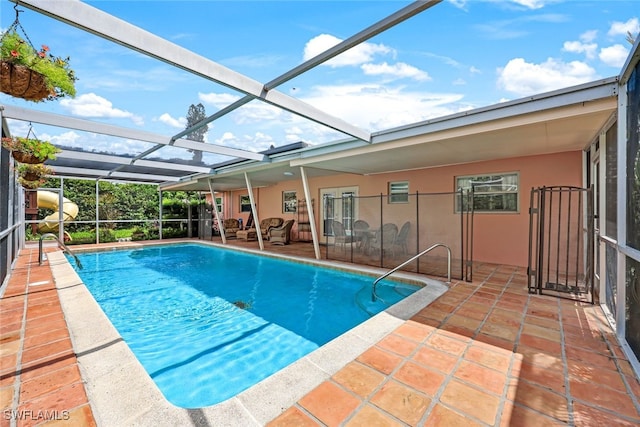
point(40, 415)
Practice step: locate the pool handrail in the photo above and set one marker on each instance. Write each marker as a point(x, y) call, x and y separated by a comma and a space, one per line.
point(375, 297)
point(64, 247)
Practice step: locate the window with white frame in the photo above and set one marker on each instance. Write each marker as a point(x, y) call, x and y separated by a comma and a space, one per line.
point(491, 192)
point(399, 192)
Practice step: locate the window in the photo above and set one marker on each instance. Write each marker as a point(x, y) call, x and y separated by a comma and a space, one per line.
point(399, 192)
point(219, 204)
point(245, 203)
point(491, 193)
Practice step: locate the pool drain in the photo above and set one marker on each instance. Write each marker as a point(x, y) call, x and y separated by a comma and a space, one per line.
point(241, 304)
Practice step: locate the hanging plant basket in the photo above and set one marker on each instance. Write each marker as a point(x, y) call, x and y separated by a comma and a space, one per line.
point(23, 157)
point(33, 172)
point(31, 185)
point(27, 73)
point(30, 176)
point(21, 82)
point(30, 150)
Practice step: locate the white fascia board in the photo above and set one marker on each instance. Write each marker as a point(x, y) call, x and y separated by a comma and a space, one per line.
point(58, 120)
point(581, 94)
point(107, 158)
point(95, 21)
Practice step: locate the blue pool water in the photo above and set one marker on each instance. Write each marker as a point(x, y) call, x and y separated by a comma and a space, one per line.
point(174, 307)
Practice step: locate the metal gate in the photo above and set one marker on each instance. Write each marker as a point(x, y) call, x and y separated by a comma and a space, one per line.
point(561, 242)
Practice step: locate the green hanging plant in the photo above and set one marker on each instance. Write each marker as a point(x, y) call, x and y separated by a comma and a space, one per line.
point(30, 150)
point(33, 172)
point(33, 75)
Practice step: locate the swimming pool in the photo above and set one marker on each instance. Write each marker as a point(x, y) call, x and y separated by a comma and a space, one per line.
point(207, 323)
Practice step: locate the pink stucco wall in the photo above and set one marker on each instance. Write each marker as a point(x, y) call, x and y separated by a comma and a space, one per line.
point(498, 237)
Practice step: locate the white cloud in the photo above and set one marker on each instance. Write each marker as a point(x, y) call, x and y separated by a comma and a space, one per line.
point(259, 141)
point(459, 82)
point(360, 54)
point(589, 49)
point(178, 123)
point(622, 28)
point(218, 100)
point(531, 4)
point(523, 78)
point(375, 107)
point(400, 70)
point(92, 105)
point(588, 36)
point(614, 56)
point(474, 70)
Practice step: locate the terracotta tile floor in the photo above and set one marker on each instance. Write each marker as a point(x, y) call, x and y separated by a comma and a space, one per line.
point(485, 353)
point(40, 382)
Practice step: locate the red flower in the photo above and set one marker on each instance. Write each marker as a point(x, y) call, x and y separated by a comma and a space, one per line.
point(15, 54)
point(45, 48)
point(42, 54)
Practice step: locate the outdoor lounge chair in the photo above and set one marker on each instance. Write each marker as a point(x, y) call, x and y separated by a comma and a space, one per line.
point(269, 223)
point(231, 226)
point(281, 235)
point(265, 225)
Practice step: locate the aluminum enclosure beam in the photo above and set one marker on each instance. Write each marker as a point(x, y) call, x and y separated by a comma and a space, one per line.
point(51, 119)
point(99, 23)
point(65, 170)
point(107, 158)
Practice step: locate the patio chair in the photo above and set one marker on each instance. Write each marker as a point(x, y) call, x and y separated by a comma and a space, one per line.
point(269, 223)
point(401, 239)
point(281, 235)
point(340, 235)
point(231, 226)
point(361, 233)
point(265, 225)
point(385, 238)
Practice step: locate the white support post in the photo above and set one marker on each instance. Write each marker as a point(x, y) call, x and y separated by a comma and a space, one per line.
point(621, 219)
point(256, 220)
point(216, 214)
point(97, 211)
point(61, 211)
point(160, 215)
point(312, 219)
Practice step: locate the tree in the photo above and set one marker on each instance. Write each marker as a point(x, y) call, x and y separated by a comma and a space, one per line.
point(196, 114)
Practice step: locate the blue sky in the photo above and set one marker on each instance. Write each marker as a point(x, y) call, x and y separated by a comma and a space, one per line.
point(455, 56)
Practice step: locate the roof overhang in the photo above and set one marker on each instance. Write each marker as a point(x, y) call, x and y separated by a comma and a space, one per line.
point(558, 121)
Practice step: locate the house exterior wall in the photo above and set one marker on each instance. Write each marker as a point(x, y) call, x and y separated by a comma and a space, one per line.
point(498, 237)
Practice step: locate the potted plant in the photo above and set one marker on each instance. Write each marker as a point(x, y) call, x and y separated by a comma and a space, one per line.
point(33, 172)
point(32, 185)
point(30, 150)
point(30, 74)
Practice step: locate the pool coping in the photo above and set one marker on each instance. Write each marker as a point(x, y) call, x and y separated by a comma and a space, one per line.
point(122, 393)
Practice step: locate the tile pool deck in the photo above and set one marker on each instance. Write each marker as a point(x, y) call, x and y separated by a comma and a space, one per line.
point(484, 353)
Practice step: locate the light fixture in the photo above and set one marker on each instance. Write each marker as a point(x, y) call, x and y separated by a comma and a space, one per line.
point(288, 173)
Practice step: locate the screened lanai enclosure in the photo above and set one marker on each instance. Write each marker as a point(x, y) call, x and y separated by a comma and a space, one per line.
point(374, 227)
